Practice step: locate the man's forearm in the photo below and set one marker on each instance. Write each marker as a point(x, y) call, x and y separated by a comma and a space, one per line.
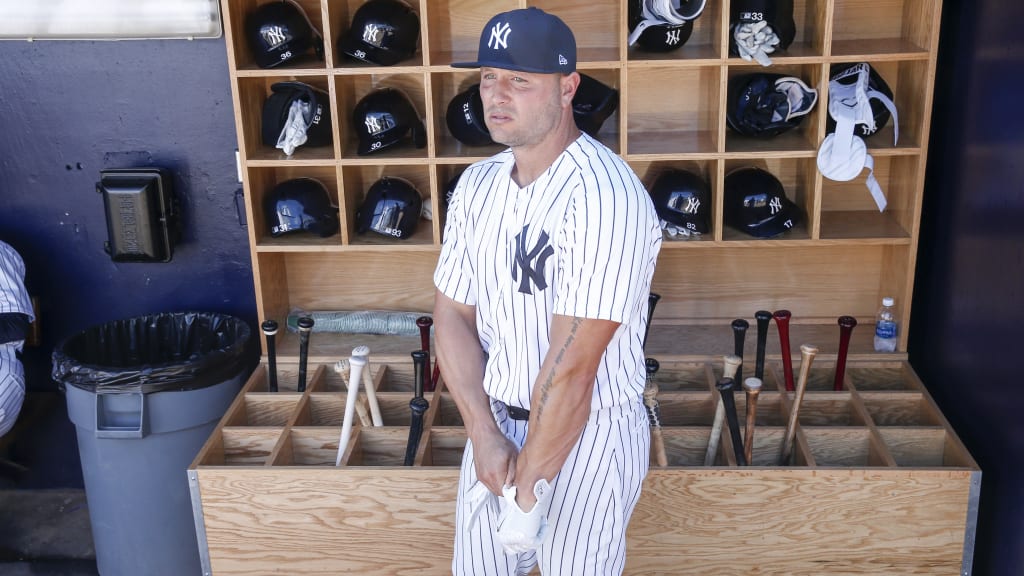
point(462, 362)
point(561, 399)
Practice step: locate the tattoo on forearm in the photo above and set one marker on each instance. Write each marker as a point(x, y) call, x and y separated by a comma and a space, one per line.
point(545, 388)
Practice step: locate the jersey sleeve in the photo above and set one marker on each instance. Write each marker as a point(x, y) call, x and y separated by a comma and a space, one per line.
point(13, 296)
point(454, 273)
point(610, 241)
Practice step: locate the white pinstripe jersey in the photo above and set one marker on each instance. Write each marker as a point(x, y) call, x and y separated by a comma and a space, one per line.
point(13, 298)
point(581, 240)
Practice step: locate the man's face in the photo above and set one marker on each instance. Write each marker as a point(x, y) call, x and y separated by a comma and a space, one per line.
point(521, 108)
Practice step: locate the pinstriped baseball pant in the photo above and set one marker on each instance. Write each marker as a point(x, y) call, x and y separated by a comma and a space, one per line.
point(595, 493)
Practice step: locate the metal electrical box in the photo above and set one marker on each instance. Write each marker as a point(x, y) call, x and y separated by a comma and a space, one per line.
point(142, 214)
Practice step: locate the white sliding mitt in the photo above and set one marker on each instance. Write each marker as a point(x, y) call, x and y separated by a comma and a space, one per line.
point(520, 531)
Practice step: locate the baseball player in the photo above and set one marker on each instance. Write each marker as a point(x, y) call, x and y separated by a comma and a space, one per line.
point(15, 317)
point(540, 310)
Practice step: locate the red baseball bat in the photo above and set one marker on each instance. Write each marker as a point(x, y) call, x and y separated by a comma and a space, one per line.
point(424, 323)
point(782, 318)
point(846, 325)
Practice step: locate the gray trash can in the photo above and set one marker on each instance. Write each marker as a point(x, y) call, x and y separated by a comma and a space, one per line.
point(145, 394)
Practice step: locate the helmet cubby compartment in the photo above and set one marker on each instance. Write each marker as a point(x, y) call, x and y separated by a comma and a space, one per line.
point(384, 205)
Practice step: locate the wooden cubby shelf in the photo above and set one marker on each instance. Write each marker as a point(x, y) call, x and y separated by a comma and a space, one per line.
point(879, 482)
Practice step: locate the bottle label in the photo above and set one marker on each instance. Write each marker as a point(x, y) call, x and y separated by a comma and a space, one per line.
point(885, 329)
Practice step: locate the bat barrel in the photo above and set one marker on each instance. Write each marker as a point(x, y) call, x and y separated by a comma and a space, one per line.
point(725, 387)
point(305, 327)
point(782, 318)
point(846, 325)
point(739, 331)
point(269, 328)
point(763, 318)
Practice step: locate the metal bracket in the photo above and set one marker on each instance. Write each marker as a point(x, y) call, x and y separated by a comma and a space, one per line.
point(973, 497)
point(200, 521)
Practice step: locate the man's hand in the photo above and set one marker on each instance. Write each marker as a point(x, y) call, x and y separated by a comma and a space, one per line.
point(495, 460)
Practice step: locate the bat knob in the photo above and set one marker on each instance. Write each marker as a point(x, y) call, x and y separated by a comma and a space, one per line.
point(269, 327)
point(424, 321)
point(418, 405)
point(808, 350)
point(362, 351)
point(782, 315)
point(653, 298)
point(752, 384)
point(357, 361)
point(725, 385)
point(740, 325)
point(305, 323)
point(762, 315)
point(847, 322)
point(652, 366)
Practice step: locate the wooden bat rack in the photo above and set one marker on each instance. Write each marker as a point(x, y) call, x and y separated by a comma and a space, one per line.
point(879, 483)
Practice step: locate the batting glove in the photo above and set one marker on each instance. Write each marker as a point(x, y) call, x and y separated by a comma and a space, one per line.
point(520, 531)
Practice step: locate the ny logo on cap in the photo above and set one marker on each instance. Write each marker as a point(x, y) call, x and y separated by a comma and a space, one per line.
point(499, 36)
point(775, 205)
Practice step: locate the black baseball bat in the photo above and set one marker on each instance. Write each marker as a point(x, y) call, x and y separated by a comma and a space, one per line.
point(764, 318)
point(652, 301)
point(305, 325)
point(424, 323)
point(417, 405)
point(739, 332)
point(726, 387)
point(270, 330)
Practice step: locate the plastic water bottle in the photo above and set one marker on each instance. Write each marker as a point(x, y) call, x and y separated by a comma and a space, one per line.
point(885, 327)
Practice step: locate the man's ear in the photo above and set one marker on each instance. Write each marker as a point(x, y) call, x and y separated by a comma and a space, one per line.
point(569, 83)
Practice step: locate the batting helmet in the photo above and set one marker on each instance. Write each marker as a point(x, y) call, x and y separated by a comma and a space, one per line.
point(392, 207)
point(465, 118)
point(593, 103)
point(756, 203)
point(280, 32)
point(765, 105)
point(683, 199)
point(279, 103)
point(300, 204)
point(662, 25)
point(777, 13)
point(847, 74)
point(383, 32)
point(383, 117)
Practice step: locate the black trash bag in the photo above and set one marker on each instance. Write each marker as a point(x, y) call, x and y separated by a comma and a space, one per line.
point(155, 353)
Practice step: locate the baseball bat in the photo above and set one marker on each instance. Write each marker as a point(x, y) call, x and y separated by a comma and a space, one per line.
point(652, 301)
point(846, 326)
point(725, 389)
point(341, 367)
point(356, 365)
point(417, 405)
point(305, 326)
point(371, 392)
point(782, 318)
point(732, 363)
point(763, 318)
point(807, 353)
point(752, 386)
point(424, 323)
point(654, 412)
point(739, 332)
point(270, 330)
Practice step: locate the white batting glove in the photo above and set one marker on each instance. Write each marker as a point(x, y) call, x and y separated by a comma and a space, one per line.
point(520, 531)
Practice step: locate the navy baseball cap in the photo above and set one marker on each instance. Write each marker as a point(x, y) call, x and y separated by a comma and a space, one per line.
point(528, 40)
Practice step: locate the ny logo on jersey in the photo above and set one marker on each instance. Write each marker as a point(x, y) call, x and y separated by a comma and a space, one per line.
point(531, 261)
point(499, 36)
point(672, 37)
point(274, 35)
point(775, 205)
point(372, 34)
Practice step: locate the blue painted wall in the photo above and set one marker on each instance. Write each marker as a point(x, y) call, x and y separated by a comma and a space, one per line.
point(71, 109)
point(968, 305)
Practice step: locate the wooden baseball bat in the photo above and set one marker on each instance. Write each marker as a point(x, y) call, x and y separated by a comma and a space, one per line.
point(371, 392)
point(356, 364)
point(341, 367)
point(739, 332)
point(424, 323)
point(654, 412)
point(752, 386)
point(782, 318)
point(726, 386)
point(270, 330)
point(305, 327)
point(732, 363)
point(764, 318)
point(807, 353)
point(846, 326)
point(418, 405)
point(652, 302)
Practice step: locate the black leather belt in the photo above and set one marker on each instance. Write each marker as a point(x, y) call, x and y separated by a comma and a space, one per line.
point(515, 412)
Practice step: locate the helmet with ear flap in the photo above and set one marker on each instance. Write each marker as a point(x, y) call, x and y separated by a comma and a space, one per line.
point(278, 104)
point(383, 118)
point(280, 32)
point(593, 103)
point(300, 204)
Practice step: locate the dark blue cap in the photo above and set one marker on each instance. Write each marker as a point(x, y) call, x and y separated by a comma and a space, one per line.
point(528, 40)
